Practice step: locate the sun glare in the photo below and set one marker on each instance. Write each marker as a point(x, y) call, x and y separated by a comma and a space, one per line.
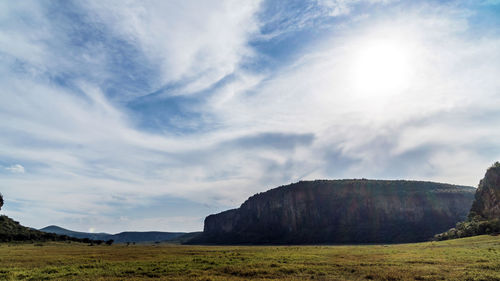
point(381, 67)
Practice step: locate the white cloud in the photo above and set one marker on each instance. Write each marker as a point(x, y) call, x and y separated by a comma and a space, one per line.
point(87, 152)
point(16, 169)
point(195, 42)
point(454, 75)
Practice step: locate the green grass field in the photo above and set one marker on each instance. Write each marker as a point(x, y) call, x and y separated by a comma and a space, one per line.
point(475, 258)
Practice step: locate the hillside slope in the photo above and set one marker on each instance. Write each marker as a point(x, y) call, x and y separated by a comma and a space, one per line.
point(342, 211)
point(11, 230)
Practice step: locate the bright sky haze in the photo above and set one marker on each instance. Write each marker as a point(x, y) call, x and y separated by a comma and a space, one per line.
point(151, 115)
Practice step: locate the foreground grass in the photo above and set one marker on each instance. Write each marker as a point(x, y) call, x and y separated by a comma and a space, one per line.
point(474, 258)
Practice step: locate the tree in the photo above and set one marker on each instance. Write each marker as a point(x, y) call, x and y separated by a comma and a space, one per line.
point(110, 242)
point(1, 201)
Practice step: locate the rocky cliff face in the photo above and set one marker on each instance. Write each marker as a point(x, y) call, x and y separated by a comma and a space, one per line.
point(487, 198)
point(342, 211)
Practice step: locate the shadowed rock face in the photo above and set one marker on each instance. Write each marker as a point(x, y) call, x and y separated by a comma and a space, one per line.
point(342, 211)
point(487, 198)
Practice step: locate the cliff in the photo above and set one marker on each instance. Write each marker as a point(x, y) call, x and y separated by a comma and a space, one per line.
point(487, 199)
point(484, 215)
point(342, 211)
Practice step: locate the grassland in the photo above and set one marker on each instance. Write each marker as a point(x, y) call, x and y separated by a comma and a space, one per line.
point(474, 258)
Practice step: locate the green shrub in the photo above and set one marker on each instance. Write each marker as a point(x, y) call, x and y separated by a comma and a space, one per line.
point(472, 227)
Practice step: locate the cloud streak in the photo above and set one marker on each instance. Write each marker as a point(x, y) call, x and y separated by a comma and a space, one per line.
point(17, 169)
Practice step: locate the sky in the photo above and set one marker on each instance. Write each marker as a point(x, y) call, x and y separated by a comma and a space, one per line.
point(151, 115)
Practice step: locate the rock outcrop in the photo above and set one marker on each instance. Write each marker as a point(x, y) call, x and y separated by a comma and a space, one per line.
point(484, 215)
point(487, 199)
point(342, 211)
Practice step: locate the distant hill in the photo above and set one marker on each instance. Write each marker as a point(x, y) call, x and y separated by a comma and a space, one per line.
point(342, 211)
point(183, 239)
point(123, 237)
point(149, 236)
point(62, 231)
point(11, 230)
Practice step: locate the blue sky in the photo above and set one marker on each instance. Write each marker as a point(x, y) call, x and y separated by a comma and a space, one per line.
point(150, 115)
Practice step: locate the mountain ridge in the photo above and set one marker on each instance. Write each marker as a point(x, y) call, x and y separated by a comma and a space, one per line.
point(122, 237)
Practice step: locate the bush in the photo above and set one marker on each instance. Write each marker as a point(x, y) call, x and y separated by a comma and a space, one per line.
point(472, 227)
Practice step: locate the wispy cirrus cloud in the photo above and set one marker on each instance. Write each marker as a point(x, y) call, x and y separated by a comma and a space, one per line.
point(194, 43)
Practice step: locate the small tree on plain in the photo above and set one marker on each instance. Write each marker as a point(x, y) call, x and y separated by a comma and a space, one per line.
point(1, 201)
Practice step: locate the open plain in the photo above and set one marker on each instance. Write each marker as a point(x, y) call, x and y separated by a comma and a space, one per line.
point(474, 258)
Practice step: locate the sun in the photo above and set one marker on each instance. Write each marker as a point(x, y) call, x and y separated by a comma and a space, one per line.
point(381, 67)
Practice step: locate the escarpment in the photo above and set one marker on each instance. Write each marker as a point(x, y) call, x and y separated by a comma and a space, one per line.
point(342, 211)
point(487, 199)
point(484, 215)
